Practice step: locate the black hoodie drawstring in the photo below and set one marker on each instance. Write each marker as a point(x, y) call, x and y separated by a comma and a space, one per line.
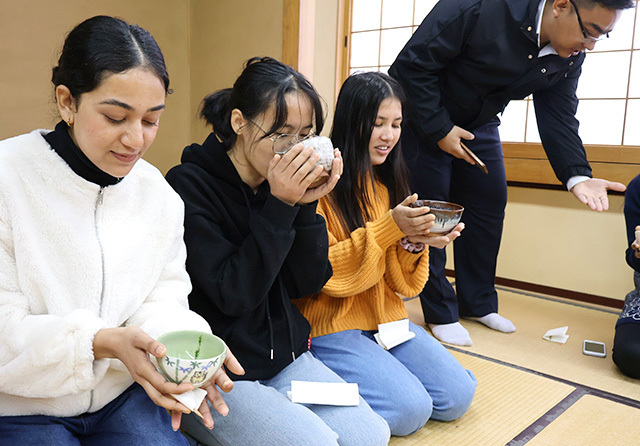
point(287, 316)
point(282, 298)
point(270, 330)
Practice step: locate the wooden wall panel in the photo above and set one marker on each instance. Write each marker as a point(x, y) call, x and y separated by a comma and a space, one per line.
point(291, 33)
point(527, 163)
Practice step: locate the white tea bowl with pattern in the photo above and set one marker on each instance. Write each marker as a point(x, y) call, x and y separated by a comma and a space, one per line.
point(192, 356)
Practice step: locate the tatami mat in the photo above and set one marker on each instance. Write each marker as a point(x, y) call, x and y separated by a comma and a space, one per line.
point(507, 401)
point(533, 316)
point(592, 421)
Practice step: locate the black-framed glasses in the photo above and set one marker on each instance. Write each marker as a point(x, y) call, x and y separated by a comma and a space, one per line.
point(587, 38)
point(282, 142)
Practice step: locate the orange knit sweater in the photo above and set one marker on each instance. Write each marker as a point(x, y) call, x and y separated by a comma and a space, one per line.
point(369, 268)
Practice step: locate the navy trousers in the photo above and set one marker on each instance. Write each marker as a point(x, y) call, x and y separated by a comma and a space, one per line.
point(436, 175)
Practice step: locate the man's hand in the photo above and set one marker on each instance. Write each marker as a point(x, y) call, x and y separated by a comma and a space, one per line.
point(593, 193)
point(451, 143)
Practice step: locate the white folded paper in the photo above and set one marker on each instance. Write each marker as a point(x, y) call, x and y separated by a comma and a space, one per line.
point(330, 394)
point(558, 335)
point(192, 399)
point(393, 333)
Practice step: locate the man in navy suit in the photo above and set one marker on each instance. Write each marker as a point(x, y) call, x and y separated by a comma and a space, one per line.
point(461, 68)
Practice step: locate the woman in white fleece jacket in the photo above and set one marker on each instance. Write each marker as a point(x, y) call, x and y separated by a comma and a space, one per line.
point(92, 260)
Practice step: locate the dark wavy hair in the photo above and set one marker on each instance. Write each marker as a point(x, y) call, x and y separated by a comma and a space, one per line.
point(263, 82)
point(104, 45)
point(355, 115)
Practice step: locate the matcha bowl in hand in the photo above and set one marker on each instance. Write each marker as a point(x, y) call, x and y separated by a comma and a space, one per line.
point(192, 357)
point(447, 214)
point(324, 148)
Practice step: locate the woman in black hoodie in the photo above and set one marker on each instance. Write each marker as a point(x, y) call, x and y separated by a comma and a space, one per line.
point(254, 242)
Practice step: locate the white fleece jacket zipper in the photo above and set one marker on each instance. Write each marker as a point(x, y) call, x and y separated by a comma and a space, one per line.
point(99, 202)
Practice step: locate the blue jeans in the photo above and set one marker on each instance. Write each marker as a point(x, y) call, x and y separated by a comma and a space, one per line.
point(261, 414)
point(131, 419)
point(406, 385)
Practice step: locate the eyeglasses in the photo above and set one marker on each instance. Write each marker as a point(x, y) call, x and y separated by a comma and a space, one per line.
point(587, 38)
point(282, 142)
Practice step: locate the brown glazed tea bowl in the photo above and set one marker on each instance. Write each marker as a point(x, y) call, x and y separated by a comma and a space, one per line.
point(447, 214)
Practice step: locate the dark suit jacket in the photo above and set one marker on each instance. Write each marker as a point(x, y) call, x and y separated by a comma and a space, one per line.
point(469, 58)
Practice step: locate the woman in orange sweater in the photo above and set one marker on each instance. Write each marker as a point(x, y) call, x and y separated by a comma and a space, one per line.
point(377, 249)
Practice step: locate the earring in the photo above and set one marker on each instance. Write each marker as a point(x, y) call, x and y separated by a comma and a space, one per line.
point(69, 121)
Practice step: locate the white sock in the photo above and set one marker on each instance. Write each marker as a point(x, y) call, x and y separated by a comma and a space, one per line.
point(496, 322)
point(453, 333)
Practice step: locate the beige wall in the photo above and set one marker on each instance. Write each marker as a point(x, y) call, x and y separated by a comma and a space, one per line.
point(205, 44)
point(224, 34)
point(32, 34)
point(550, 238)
